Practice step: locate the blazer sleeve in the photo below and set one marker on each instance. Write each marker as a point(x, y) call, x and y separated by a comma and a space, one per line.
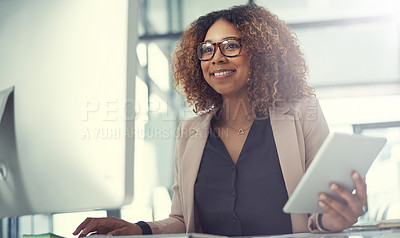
point(315, 129)
point(175, 222)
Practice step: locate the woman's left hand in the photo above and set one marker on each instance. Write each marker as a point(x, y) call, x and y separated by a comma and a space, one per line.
point(339, 215)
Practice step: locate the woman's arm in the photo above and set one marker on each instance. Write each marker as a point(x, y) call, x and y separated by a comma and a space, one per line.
point(175, 223)
point(338, 216)
point(114, 226)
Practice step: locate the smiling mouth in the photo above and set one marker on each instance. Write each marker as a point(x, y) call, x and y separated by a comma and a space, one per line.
point(219, 74)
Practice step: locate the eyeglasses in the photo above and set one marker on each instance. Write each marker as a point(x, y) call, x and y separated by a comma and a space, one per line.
point(229, 47)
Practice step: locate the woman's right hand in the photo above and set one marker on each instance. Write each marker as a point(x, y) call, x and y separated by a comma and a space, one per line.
point(107, 226)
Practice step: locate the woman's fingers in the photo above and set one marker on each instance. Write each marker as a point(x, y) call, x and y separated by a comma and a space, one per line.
point(353, 205)
point(344, 213)
point(329, 209)
point(91, 226)
point(332, 219)
point(361, 187)
point(81, 226)
point(336, 208)
point(98, 225)
point(85, 227)
point(107, 225)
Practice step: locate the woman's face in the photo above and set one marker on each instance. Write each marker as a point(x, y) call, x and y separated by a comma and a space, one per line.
point(226, 75)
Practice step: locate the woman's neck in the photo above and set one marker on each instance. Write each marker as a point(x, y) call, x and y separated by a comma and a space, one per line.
point(237, 112)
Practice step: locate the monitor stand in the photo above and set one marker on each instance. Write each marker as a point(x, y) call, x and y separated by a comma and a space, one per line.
point(11, 187)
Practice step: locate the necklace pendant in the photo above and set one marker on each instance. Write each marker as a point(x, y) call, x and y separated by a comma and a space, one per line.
point(240, 131)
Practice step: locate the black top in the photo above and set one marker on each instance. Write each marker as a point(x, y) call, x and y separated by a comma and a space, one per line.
point(247, 198)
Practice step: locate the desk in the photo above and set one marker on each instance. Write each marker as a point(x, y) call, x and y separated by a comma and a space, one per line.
point(387, 233)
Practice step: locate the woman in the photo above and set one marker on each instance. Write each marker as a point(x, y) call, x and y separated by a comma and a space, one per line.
point(257, 131)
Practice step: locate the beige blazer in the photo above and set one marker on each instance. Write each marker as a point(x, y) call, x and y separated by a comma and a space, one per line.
point(299, 129)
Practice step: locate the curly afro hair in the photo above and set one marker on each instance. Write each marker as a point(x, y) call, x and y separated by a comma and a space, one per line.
point(278, 71)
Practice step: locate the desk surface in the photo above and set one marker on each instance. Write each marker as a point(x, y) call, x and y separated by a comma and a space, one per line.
point(387, 233)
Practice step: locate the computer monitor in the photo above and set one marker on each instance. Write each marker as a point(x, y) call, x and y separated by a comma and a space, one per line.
point(67, 73)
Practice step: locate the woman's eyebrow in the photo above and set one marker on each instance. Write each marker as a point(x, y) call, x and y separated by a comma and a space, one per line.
point(225, 38)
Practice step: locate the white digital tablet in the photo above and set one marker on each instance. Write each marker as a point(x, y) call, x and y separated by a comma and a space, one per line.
point(338, 156)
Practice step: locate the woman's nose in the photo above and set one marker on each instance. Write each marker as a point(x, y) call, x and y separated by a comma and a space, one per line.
point(218, 57)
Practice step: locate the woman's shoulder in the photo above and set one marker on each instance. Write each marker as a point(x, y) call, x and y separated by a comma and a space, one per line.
point(303, 106)
point(303, 103)
point(194, 121)
point(196, 124)
point(309, 112)
point(295, 105)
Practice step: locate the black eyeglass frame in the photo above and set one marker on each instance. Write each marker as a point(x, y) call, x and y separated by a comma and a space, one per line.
point(215, 44)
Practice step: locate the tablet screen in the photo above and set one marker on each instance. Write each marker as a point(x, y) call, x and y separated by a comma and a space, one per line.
point(339, 155)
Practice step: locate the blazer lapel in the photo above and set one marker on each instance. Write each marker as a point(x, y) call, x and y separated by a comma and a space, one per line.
point(284, 130)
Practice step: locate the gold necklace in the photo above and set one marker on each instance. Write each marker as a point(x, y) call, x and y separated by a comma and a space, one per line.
point(240, 131)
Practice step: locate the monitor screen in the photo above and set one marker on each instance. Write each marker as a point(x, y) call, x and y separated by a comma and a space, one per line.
point(67, 73)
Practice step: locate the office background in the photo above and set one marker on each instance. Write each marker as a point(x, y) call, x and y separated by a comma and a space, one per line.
point(353, 52)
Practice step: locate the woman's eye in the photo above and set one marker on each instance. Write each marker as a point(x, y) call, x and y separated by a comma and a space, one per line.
point(208, 50)
point(232, 46)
